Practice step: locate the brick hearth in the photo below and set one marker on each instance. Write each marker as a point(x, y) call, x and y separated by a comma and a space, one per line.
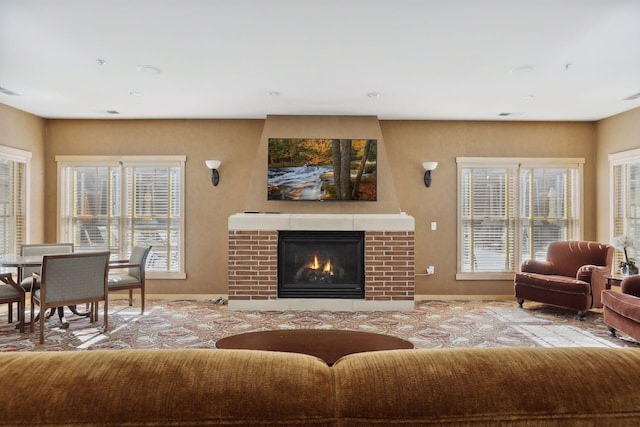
point(389, 260)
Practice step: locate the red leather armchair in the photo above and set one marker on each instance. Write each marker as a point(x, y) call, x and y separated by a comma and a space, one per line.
point(572, 276)
point(622, 309)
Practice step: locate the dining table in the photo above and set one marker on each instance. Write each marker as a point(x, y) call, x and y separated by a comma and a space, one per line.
point(21, 261)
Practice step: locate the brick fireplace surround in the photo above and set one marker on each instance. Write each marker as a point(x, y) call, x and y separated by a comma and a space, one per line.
point(389, 261)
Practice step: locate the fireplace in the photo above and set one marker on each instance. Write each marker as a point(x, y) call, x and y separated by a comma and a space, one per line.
point(389, 267)
point(321, 264)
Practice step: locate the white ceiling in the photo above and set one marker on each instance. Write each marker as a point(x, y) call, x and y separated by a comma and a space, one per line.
point(425, 59)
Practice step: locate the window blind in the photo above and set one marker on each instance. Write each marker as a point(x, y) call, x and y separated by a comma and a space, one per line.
point(13, 199)
point(116, 205)
point(511, 209)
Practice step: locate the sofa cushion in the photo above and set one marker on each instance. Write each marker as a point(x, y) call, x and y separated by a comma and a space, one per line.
point(553, 283)
point(623, 304)
point(166, 388)
point(489, 387)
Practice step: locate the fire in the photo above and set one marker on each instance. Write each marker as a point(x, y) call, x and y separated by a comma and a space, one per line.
point(315, 265)
point(327, 267)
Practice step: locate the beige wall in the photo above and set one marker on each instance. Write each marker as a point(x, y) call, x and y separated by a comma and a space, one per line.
point(615, 134)
point(239, 144)
point(409, 143)
point(27, 132)
point(207, 207)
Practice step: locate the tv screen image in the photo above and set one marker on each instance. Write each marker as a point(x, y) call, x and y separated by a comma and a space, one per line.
point(322, 169)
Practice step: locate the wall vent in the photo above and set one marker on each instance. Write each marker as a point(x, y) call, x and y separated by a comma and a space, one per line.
point(632, 97)
point(8, 92)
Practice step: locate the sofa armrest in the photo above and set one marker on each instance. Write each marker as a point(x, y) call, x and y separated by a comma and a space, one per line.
point(535, 266)
point(631, 285)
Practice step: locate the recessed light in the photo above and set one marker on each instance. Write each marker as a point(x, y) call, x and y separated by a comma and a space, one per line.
point(149, 69)
point(135, 94)
point(373, 95)
point(522, 69)
point(100, 61)
point(273, 94)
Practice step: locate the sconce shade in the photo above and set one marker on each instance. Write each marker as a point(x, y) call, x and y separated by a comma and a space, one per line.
point(428, 167)
point(214, 165)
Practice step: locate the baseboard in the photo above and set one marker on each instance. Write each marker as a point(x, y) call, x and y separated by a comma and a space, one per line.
point(463, 297)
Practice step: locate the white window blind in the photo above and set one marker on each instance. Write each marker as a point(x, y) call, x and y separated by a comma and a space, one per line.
point(13, 199)
point(511, 209)
point(116, 204)
point(625, 198)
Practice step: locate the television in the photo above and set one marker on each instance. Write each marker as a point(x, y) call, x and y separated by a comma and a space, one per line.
point(315, 169)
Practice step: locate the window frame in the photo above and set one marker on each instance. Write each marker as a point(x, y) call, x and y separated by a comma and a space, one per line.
point(17, 155)
point(622, 158)
point(123, 162)
point(518, 164)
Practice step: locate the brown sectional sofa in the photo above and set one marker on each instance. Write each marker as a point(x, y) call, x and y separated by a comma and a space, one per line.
point(471, 387)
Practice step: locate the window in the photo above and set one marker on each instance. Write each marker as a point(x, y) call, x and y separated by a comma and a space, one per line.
point(625, 197)
point(509, 210)
point(114, 203)
point(14, 166)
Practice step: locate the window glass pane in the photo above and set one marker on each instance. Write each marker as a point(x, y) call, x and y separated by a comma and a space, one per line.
point(626, 205)
point(119, 206)
point(13, 195)
point(510, 214)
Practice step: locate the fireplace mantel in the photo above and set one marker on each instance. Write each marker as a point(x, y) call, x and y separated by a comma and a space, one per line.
point(361, 222)
point(389, 260)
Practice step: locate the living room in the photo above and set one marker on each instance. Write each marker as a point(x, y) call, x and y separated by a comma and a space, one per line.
point(240, 144)
point(112, 85)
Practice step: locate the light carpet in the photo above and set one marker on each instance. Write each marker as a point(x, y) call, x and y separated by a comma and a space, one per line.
point(432, 324)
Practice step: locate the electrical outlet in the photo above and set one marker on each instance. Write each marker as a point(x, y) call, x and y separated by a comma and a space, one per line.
point(431, 270)
point(434, 226)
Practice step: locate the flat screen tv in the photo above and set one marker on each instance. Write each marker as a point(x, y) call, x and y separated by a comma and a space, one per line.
point(322, 169)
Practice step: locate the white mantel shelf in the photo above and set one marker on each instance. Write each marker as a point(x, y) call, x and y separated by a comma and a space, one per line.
point(339, 222)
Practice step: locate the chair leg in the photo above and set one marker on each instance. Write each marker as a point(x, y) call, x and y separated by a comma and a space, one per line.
point(520, 302)
point(106, 316)
point(10, 312)
point(21, 307)
point(33, 310)
point(41, 328)
point(130, 297)
point(582, 315)
point(142, 296)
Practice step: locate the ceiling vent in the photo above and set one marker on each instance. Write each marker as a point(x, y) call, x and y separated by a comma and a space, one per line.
point(8, 92)
point(629, 98)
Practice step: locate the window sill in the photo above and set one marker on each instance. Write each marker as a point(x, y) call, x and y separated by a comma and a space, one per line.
point(485, 276)
point(164, 275)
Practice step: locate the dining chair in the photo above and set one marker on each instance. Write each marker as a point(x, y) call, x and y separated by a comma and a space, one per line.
point(70, 279)
point(11, 292)
point(129, 274)
point(25, 277)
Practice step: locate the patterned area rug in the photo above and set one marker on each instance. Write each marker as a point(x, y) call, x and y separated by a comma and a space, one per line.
point(432, 324)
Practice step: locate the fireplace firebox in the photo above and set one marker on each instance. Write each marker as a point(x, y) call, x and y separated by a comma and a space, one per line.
point(321, 264)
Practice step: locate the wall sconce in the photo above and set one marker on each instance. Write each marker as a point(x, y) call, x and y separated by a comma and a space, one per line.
point(214, 165)
point(428, 167)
